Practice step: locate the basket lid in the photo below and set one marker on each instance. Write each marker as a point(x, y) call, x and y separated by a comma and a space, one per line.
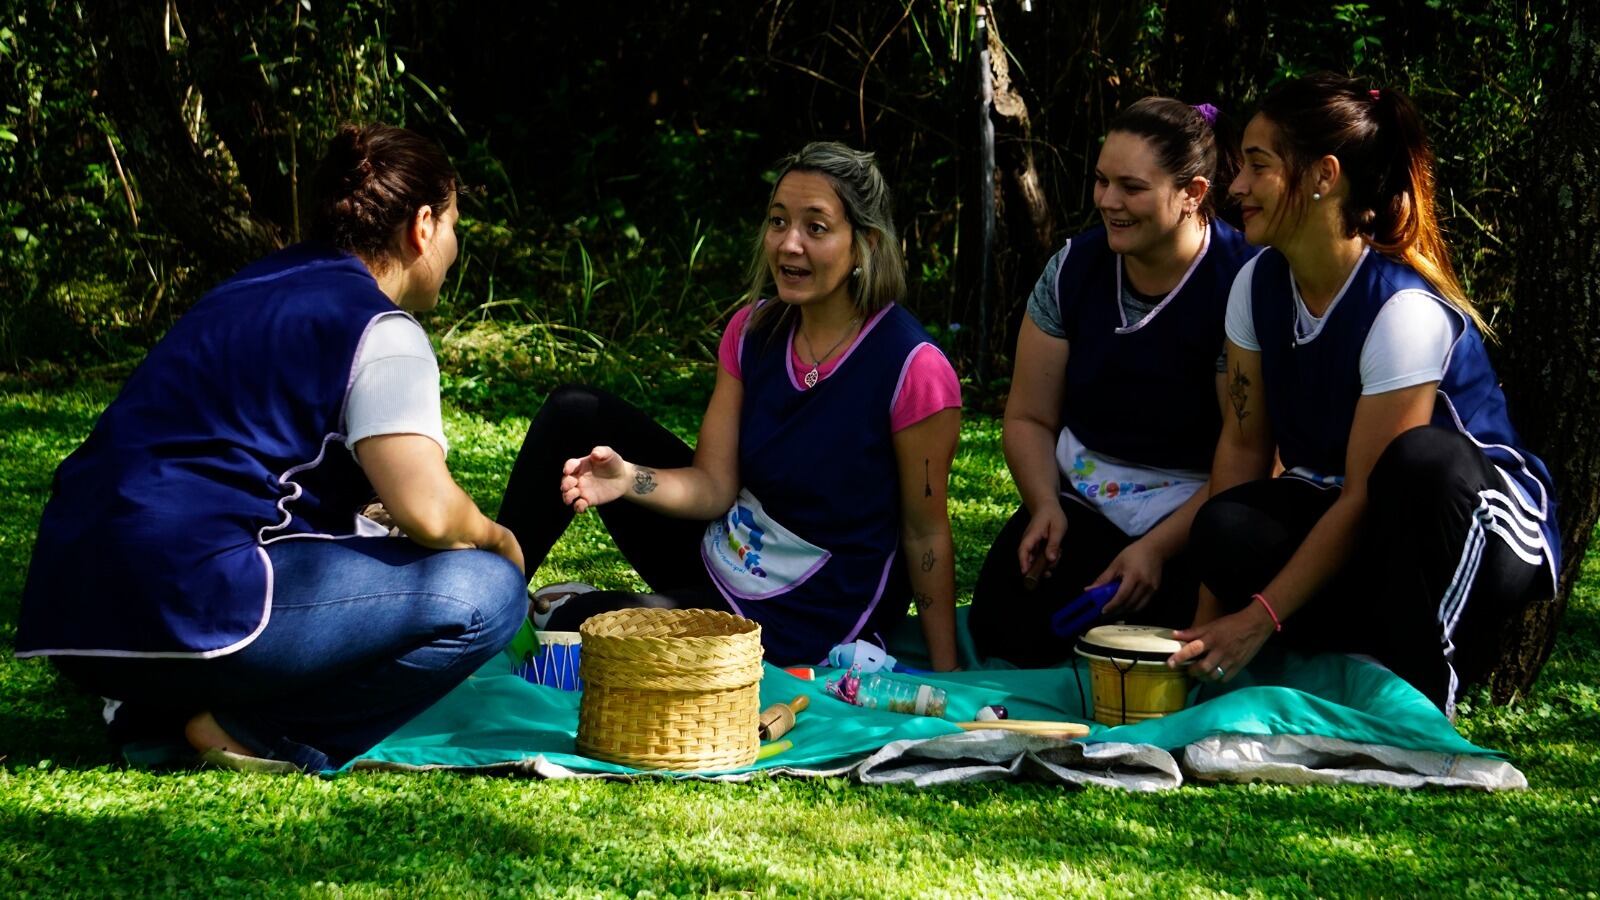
point(1140, 643)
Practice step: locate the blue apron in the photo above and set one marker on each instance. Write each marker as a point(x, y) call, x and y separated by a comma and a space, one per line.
point(226, 437)
point(810, 548)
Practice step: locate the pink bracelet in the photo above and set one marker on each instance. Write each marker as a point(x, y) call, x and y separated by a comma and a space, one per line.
point(1277, 624)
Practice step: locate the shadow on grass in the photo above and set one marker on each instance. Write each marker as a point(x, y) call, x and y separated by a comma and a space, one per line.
point(44, 717)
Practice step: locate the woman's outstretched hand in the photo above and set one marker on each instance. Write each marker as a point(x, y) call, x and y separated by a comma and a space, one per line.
point(598, 478)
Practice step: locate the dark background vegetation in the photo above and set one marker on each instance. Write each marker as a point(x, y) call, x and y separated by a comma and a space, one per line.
point(148, 147)
point(624, 136)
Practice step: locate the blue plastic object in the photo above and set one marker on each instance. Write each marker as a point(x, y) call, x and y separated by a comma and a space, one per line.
point(1084, 609)
point(867, 657)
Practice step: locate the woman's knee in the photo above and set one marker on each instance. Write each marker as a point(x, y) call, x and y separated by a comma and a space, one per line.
point(1235, 546)
point(575, 402)
point(1424, 463)
point(488, 590)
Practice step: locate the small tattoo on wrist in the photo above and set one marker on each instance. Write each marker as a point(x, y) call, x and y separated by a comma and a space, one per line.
point(928, 560)
point(923, 601)
point(644, 480)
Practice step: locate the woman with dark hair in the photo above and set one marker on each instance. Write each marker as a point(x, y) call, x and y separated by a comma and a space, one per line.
point(814, 501)
point(238, 598)
point(1409, 519)
point(1115, 398)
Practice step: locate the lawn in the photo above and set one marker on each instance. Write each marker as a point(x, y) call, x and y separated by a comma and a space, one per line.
point(72, 822)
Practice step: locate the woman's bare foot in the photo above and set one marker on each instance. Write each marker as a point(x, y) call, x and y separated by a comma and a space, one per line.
point(204, 733)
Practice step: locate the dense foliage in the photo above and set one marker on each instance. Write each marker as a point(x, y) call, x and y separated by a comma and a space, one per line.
point(620, 146)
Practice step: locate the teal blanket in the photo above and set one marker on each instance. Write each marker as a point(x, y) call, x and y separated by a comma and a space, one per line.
point(1287, 718)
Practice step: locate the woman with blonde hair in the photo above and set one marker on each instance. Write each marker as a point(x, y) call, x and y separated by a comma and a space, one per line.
point(814, 500)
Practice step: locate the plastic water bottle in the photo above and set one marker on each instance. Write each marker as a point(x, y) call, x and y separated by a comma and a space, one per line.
point(897, 695)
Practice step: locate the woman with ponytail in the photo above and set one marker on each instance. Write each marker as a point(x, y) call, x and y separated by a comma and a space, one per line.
point(1115, 398)
point(237, 599)
point(1409, 520)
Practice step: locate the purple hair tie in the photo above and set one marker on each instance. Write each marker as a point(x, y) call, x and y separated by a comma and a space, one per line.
point(1207, 112)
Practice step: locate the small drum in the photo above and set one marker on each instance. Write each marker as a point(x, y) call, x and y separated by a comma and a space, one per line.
point(556, 663)
point(1129, 675)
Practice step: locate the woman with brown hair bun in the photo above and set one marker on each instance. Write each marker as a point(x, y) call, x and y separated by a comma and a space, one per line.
point(1409, 520)
point(1115, 397)
point(237, 597)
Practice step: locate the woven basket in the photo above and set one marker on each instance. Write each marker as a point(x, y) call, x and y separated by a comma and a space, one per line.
point(672, 689)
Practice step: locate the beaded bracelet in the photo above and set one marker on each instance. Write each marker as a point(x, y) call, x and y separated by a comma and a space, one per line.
point(1277, 624)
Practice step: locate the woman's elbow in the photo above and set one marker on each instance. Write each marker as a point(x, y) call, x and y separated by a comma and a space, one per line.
point(431, 525)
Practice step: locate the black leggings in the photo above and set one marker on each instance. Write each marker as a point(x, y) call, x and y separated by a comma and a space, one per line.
point(664, 551)
point(1431, 581)
point(1013, 624)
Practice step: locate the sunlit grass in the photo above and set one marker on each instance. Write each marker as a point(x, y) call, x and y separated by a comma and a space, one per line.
point(73, 823)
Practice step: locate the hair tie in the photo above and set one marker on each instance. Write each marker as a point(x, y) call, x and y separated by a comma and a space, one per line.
point(1374, 94)
point(1207, 112)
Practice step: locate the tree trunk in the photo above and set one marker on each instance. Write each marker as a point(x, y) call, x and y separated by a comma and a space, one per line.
point(241, 105)
point(182, 190)
point(1552, 365)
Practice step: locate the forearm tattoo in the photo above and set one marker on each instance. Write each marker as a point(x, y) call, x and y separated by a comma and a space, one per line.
point(1239, 394)
point(644, 480)
point(923, 601)
point(928, 559)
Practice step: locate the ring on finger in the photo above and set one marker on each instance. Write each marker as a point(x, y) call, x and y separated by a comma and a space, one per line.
point(1219, 671)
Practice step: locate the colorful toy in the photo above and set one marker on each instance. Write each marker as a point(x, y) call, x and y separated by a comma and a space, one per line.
point(866, 657)
point(992, 713)
point(846, 687)
point(773, 749)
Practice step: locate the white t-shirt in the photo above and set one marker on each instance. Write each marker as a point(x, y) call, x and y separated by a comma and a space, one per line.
point(1409, 342)
point(395, 385)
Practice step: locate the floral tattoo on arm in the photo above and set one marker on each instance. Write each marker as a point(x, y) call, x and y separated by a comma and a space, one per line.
point(1239, 394)
point(644, 480)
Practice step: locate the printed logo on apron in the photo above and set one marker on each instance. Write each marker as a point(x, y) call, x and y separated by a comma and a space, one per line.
point(753, 557)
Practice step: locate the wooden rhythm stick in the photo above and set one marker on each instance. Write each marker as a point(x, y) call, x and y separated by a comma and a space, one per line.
point(1030, 726)
point(777, 719)
point(1030, 579)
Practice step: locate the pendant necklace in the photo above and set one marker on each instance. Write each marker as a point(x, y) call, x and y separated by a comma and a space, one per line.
point(816, 361)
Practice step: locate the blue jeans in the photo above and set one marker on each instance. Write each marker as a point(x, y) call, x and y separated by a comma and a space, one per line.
point(363, 635)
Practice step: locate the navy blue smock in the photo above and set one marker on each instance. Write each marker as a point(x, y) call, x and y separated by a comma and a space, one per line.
point(1145, 392)
point(1312, 388)
point(227, 436)
point(810, 548)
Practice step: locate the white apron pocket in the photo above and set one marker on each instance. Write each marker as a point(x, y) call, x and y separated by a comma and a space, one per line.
point(753, 557)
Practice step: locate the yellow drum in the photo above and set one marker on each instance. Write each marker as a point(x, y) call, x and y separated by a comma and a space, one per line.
point(1129, 675)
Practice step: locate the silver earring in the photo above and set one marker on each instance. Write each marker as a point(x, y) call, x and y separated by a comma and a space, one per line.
point(856, 272)
point(1316, 195)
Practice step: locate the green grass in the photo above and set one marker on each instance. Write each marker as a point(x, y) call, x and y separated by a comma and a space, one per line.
point(70, 822)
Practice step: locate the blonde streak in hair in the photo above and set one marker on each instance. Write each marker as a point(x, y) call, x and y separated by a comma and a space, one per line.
point(1424, 247)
